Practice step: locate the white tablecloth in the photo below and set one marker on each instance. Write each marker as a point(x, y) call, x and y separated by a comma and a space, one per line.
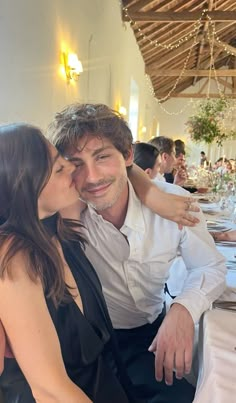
point(217, 344)
point(217, 374)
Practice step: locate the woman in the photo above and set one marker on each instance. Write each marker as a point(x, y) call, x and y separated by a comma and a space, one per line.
point(51, 303)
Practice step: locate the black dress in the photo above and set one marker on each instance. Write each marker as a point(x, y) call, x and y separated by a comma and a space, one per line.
point(87, 342)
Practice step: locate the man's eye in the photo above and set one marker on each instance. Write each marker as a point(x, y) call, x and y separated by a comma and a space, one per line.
point(60, 169)
point(77, 164)
point(103, 156)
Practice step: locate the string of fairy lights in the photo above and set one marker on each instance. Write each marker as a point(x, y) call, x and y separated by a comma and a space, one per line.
point(155, 42)
point(211, 40)
point(192, 34)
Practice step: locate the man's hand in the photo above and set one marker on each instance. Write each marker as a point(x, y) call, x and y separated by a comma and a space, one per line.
point(173, 344)
point(180, 176)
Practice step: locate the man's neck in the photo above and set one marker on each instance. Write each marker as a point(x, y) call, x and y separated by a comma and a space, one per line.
point(117, 213)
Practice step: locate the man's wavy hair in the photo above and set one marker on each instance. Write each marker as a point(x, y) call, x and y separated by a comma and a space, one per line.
point(77, 120)
point(25, 168)
point(163, 144)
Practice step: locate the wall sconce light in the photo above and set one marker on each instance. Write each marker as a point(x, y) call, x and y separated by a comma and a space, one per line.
point(122, 111)
point(144, 130)
point(72, 65)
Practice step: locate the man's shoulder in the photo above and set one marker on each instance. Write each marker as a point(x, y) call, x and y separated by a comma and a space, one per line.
point(171, 188)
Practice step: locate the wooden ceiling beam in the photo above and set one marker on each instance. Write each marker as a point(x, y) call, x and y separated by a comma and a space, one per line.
point(138, 5)
point(233, 62)
point(196, 95)
point(183, 16)
point(172, 54)
point(203, 86)
point(227, 47)
point(192, 73)
point(226, 84)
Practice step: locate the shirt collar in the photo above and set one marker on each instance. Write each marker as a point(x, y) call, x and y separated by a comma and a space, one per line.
point(134, 219)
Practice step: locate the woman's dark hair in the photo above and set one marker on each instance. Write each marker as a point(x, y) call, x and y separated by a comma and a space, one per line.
point(145, 155)
point(25, 168)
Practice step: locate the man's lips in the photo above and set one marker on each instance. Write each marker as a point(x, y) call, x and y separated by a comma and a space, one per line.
point(97, 189)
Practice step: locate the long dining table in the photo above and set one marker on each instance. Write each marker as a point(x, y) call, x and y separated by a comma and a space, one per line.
point(217, 329)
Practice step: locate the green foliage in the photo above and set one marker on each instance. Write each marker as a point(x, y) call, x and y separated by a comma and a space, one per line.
point(206, 124)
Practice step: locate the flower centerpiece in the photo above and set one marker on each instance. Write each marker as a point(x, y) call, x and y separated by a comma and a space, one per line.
point(208, 124)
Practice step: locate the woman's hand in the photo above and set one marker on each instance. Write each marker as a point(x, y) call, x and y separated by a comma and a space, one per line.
point(177, 208)
point(170, 206)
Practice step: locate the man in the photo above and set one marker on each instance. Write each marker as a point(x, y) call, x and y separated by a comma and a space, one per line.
point(203, 159)
point(166, 148)
point(179, 163)
point(146, 156)
point(132, 250)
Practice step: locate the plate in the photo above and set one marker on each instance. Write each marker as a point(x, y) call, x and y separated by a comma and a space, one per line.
point(205, 201)
point(219, 228)
point(210, 212)
point(213, 223)
point(231, 244)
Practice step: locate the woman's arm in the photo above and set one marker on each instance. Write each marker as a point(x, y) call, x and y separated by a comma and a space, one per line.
point(33, 338)
point(172, 207)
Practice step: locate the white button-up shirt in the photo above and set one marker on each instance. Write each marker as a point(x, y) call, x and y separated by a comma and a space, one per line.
point(133, 263)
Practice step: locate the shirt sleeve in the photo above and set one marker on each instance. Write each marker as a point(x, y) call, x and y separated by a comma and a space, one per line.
point(206, 269)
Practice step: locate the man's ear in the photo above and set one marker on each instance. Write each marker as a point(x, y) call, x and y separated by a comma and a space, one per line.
point(164, 156)
point(130, 157)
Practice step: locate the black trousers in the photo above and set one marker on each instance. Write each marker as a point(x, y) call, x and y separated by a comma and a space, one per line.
point(140, 365)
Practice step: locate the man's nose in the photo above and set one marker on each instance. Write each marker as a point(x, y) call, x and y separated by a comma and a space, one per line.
point(88, 173)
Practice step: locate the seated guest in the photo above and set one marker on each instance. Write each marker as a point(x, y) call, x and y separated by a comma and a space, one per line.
point(63, 324)
point(51, 302)
point(232, 162)
point(203, 159)
point(146, 156)
point(166, 148)
point(219, 165)
point(133, 250)
point(228, 167)
point(179, 166)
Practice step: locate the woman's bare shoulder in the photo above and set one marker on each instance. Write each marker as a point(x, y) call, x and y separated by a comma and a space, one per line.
point(16, 265)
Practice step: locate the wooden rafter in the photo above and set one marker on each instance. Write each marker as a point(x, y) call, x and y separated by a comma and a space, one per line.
point(193, 72)
point(228, 47)
point(225, 83)
point(164, 33)
point(183, 16)
point(197, 95)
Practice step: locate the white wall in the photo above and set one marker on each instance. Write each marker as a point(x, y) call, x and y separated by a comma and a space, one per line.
point(32, 35)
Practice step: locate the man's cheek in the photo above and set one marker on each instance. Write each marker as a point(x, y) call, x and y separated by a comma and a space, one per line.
point(77, 178)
